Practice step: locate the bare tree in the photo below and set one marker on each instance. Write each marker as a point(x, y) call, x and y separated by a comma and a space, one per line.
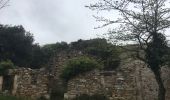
point(143, 22)
point(3, 3)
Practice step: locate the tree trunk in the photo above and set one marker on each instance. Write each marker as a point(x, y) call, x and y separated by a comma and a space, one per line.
point(161, 88)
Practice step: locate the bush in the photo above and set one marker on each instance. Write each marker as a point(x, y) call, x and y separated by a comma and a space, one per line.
point(4, 65)
point(93, 97)
point(77, 66)
point(108, 55)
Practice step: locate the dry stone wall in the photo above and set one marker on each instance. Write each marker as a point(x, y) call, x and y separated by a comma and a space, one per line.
point(30, 82)
point(131, 81)
point(57, 63)
point(38, 82)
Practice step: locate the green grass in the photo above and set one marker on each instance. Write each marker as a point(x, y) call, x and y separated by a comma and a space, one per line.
point(13, 98)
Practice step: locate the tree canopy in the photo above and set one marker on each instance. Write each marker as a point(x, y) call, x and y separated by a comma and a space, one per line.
point(18, 45)
point(15, 45)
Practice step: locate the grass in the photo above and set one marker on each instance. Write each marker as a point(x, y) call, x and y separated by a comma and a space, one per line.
point(13, 98)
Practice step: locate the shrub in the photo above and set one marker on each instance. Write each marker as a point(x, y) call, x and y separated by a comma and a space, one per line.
point(4, 65)
point(108, 55)
point(77, 66)
point(93, 97)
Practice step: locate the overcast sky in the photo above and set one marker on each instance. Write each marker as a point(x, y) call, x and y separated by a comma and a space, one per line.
point(52, 20)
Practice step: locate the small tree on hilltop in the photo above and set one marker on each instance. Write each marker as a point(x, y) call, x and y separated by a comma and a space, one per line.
point(142, 22)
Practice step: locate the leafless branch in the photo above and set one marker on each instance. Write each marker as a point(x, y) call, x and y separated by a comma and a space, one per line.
point(3, 3)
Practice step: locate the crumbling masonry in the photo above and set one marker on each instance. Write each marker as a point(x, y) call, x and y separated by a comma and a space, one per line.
point(131, 81)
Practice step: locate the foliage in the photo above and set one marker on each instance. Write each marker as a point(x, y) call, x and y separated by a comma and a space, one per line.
point(106, 52)
point(4, 65)
point(50, 50)
point(156, 52)
point(93, 97)
point(41, 55)
point(77, 66)
point(15, 44)
point(84, 44)
point(142, 22)
point(38, 58)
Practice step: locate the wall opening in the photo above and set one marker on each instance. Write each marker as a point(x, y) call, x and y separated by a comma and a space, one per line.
point(8, 82)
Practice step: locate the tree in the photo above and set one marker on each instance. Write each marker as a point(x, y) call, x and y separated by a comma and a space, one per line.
point(41, 55)
point(38, 58)
point(50, 50)
point(142, 22)
point(16, 45)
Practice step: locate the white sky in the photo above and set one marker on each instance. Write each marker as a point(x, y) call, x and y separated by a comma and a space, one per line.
point(52, 21)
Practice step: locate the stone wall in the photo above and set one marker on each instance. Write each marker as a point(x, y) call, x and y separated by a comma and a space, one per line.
point(29, 82)
point(38, 82)
point(131, 81)
point(56, 66)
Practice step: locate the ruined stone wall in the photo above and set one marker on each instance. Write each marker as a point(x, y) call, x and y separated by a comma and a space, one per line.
point(30, 82)
point(59, 60)
point(39, 82)
point(131, 81)
point(116, 85)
